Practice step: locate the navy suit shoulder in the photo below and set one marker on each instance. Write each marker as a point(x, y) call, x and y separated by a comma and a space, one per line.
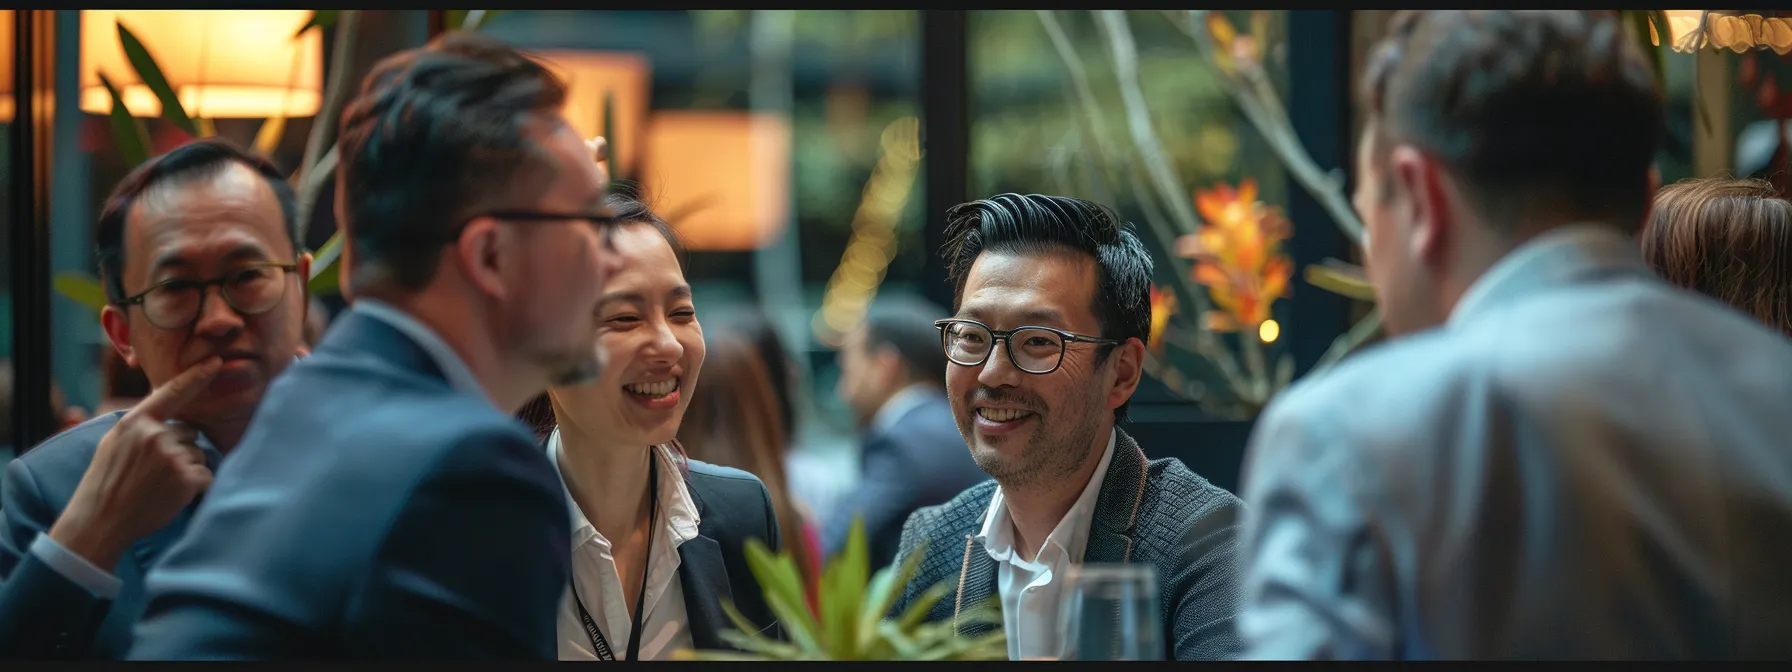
point(734, 507)
point(371, 511)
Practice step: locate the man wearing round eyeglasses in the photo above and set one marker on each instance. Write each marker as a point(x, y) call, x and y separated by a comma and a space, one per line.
point(1045, 350)
point(205, 277)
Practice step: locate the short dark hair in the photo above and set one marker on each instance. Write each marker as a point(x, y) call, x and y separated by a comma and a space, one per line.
point(628, 205)
point(1728, 239)
point(1531, 109)
point(906, 324)
point(1037, 223)
point(200, 159)
point(437, 133)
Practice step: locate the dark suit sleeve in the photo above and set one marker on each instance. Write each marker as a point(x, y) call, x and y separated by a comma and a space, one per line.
point(1204, 613)
point(477, 562)
point(883, 499)
point(1316, 585)
point(42, 613)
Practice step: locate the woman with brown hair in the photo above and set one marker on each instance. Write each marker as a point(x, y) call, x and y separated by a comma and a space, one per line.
point(1730, 239)
point(736, 420)
point(658, 539)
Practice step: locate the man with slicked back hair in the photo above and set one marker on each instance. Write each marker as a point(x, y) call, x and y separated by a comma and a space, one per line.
point(384, 503)
point(1052, 308)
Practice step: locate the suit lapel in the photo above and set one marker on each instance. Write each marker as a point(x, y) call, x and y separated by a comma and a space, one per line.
point(1117, 507)
point(705, 582)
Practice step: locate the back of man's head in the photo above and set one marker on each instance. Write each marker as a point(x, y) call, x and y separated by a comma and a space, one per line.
point(1551, 115)
point(436, 135)
point(905, 325)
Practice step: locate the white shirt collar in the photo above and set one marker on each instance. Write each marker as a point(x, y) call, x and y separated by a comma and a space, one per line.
point(1071, 535)
point(899, 405)
point(453, 367)
point(681, 518)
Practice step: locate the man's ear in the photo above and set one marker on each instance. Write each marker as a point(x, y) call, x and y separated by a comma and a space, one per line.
point(1128, 360)
point(118, 330)
point(1429, 201)
point(479, 253)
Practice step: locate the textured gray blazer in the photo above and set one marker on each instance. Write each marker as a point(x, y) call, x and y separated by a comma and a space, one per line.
point(1583, 463)
point(1155, 512)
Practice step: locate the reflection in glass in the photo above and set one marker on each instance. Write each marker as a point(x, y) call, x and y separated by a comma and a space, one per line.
point(1111, 613)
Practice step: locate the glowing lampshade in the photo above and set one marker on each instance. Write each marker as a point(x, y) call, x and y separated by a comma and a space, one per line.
point(1680, 23)
point(6, 19)
point(626, 77)
point(722, 179)
point(234, 63)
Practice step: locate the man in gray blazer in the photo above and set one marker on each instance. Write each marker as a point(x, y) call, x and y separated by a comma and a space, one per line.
point(1558, 456)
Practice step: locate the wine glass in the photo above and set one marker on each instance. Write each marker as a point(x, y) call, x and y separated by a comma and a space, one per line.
point(1111, 612)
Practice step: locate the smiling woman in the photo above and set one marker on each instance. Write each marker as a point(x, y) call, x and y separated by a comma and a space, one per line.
point(654, 532)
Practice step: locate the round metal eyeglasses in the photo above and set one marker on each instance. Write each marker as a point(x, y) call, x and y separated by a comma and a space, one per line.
point(249, 290)
point(1035, 350)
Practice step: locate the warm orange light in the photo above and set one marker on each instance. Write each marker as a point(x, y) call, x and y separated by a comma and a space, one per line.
point(722, 179)
point(232, 63)
point(626, 76)
point(6, 18)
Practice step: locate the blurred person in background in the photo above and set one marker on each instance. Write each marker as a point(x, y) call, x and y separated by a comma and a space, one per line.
point(893, 376)
point(385, 503)
point(1052, 308)
point(1728, 239)
point(734, 421)
point(1556, 455)
point(205, 283)
point(657, 537)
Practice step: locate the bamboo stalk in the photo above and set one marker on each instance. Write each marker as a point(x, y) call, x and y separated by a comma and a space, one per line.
point(1278, 130)
point(313, 170)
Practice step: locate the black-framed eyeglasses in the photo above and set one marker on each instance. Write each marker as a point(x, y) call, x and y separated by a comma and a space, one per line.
point(177, 303)
point(1035, 350)
point(605, 224)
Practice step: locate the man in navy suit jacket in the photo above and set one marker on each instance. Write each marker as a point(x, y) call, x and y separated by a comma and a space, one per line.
point(89, 510)
point(384, 503)
point(893, 374)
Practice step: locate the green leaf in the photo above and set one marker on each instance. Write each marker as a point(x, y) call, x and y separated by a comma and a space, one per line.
point(783, 588)
point(81, 288)
point(152, 77)
point(324, 280)
point(760, 645)
point(321, 19)
point(843, 589)
point(1340, 278)
point(128, 132)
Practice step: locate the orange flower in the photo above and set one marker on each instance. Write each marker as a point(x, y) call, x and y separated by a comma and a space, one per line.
point(1233, 51)
point(1237, 252)
point(1163, 305)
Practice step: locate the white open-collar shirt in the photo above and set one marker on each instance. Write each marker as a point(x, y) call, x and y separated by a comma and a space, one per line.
point(1032, 590)
point(665, 627)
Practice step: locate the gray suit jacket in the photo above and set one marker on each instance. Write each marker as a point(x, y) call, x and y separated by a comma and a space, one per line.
point(1583, 463)
point(1153, 512)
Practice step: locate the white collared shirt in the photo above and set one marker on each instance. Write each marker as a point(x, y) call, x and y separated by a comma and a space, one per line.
point(665, 626)
point(1030, 594)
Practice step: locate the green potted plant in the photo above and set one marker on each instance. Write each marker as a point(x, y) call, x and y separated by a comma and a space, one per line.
point(852, 620)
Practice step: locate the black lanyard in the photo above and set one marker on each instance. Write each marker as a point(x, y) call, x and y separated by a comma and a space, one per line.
point(598, 643)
